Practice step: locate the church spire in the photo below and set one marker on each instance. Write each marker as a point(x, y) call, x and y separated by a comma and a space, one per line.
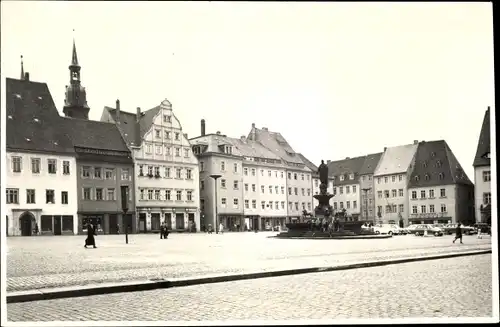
point(74, 59)
point(22, 68)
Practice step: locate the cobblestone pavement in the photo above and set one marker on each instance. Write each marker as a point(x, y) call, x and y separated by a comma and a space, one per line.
point(41, 262)
point(456, 288)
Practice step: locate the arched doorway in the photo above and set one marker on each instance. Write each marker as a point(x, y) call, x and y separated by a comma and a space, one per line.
point(26, 223)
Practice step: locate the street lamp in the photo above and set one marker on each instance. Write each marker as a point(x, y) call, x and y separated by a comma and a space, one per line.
point(366, 201)
point(124, 196)
point(215, 177)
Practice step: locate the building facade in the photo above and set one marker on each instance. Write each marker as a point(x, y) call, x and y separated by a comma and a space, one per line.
point(41, 192)
point(367, 188)
point(482, 173)
point(391, 184)
point(166, 171)
point(104, 164)
point(439, 191)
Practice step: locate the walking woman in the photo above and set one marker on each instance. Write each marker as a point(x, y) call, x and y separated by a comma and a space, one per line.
point(90, 240)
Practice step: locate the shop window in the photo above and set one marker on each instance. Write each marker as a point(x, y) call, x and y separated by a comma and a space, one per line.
point(67, 223)
point(46, 223)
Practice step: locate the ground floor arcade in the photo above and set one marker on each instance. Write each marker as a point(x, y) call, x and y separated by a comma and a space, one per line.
point(30, 222)
point(177, 219)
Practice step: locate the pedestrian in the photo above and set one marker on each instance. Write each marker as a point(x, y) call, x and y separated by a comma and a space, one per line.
point(162, 230)
point(117, 229)
point(165, 231)
point(36, 228)
point(221, 228)
point(90, 240)
point(458, 233)
point(479, 233)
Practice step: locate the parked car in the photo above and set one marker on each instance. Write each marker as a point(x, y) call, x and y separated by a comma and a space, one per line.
point(398, 230)
point(451, 228)
point(485, 228)
point(384, 229)
point(420, 230)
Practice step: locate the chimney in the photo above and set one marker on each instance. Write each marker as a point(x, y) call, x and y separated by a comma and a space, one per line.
point(415, 142)
point(218, 133)
point(186, 135)
point(117, 111)
point(27, 78)
point(253, 133)
point(385, 148)
point(203, 127)
point(138, 115)
point(243, 138)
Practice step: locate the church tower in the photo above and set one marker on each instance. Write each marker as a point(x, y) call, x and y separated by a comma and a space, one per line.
point(75, 102)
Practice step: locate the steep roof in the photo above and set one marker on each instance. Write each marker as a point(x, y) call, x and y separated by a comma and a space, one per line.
point(370, 164)
point(345, 167)
point(276, 143)
point(128, 122)
point(250, 148)
point(483, 145)
point(435, 164)
point(94, 134)
point(32, 119)
point(396, 160)
point(308, 163)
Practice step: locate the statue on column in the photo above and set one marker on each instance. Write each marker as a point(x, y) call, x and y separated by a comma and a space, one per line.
point(323, 177)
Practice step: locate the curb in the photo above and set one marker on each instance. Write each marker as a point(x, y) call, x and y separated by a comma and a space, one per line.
point(137, 286)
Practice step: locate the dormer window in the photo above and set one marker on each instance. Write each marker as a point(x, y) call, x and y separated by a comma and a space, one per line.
point(433, 154)
point(177, 136)
point(441, 175)
point(424, 163)
point(158, 133)
point(341, 177)
point(351, 176)
point(167, 119)
point(438, 163)
point(167, 135)
point(228, 149)
point(417, 178)
point(427, 177)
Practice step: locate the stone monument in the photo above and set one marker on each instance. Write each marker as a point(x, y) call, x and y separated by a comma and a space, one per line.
point(323, 210)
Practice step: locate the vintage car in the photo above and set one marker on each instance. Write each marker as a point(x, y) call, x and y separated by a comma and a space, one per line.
point(451, 228)
point(388, 229)
point(420, 229)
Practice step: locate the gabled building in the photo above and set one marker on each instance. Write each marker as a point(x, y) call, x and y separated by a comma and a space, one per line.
point(439, 191)
point(346, 186)
point(41, 183)
point(314, 180)
point(298, 175)
point(166, 171)
point(482, 173)
point(366, 186)
point(104, 164)
point(391, 183)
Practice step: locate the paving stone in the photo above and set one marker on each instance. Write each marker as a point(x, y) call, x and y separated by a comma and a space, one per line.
point(41, 262)
point(439, 288)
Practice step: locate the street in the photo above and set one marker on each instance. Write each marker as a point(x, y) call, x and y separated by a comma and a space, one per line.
point(42, 262)
point(457, 287)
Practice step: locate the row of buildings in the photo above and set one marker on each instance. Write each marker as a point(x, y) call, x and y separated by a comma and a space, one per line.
point(140, 169)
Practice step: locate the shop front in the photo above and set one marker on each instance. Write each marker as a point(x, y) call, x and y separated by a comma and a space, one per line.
point(106, 223)
point(270, 222)
point(34, 222)
point(177, 219)
point(232, 222)
point(430, 219)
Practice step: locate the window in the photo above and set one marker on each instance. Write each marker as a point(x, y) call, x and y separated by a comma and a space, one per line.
point(348, 189)
point(86, 193)
point(262, 189)
point(156, 169)
point(423, 209)
point(438, 163)
point(98, 194)
point(295, 176)
point(157, 195)
point(178, 173)
point(263, 204)
point(167, 150)
point(202, 166)
point(431, 194)
point(486, 198)
point(427, 177)
point(401, 207)
point(178, 196)
point(341, 205)
point(386, 179)
point(269, 173)
point(443, 192)
point(394, 207)
point(254, 204)
point(335, 205)
point(189, 195)
point(202, 185)
point(348, 204)
point(16, 164)
point(35, 165)
point(245, 171)
point(341, 177)
point(222, 166)
point(443, 207)
point(167, 172)
point(235, 167)
point(351, 176)
point(303, 191)
point(295, 190)
point(431, 208)
point(66, 167)
point(158, 149)
point(49, 196)
point(289, 175)
point(253, 171)
point(378, 180)
point(379, 209)
point(289, 191)
point(316, 183)
point(386, 193)
point(168, 195)
point(125, 174)
point(341, 190)
point(441, 176)
point(30, 196)
point(414, 209)
point(97, 172)
point(223, 183)
point(393, 179)
point(417, 178)
point(149, 148)
point(177, 136)
point(167, 119)
point(308, 192)
point(422, 194)
point(296, 206)
point(401, 192)
point(394, 193)
point(186, 153)
point(253, 187)
point(247, 204)
point(52, 166)
point(379, 194)
point(270, 189)
point(354, 189)
point(276, 188)
point(167, 135)
point(150, 194)
point(223, 202)
point(413, 194)
point(189, 174)
point(235, 202)
point(177, 152)
point(400, 178)
point(235, 185)
point(306, 176)
point(302, 176)
point(158, 133)
point(388, 208)
point(46, 223)
point(141, 194)
point(486, 176)
point(111, 194)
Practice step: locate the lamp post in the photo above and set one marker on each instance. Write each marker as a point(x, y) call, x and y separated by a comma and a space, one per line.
point(124, 196)
point(366, 201)
point(215, 177)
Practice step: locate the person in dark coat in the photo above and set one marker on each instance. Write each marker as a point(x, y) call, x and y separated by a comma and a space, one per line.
point(90, 240)
point(162, 230)
point(165, 231)
point(458, 233)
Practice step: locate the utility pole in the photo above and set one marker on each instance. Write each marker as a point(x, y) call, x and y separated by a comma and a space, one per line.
point(215, 177)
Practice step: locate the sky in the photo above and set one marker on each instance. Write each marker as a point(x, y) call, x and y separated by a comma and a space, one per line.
point(335, 79)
